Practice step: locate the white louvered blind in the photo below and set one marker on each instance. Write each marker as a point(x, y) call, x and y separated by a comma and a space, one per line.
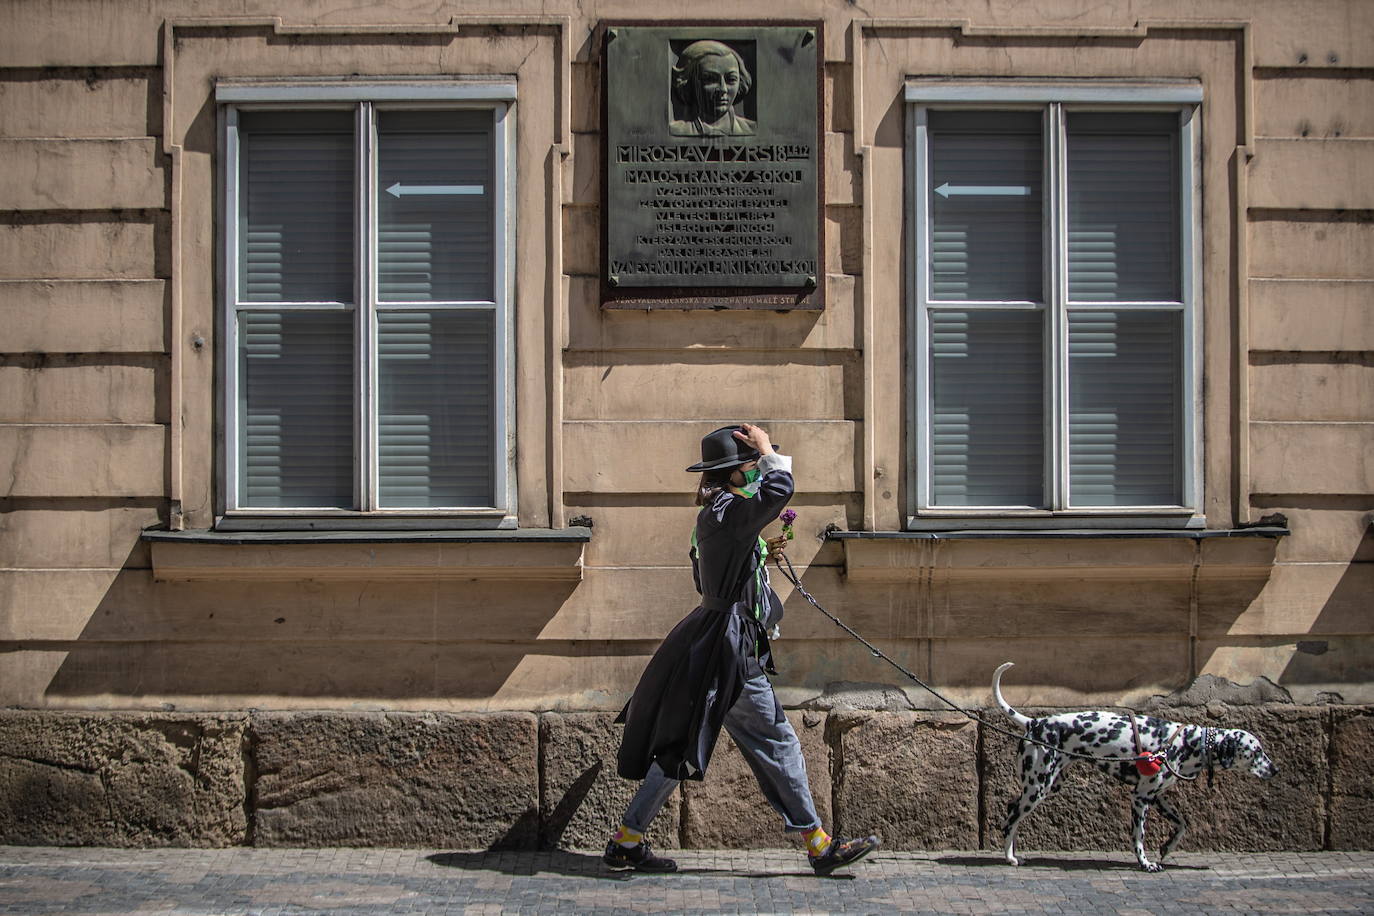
point(436, 408)
point(987, 417)
point(1125, 408)
point(1123, 192)
point(434, 212)
point(1055, 328)
point(296, 204)
point(296, 409)
point(986, 225)
point(367, 381)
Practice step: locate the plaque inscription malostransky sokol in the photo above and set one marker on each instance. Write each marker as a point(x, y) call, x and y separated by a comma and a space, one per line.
point(712, 165)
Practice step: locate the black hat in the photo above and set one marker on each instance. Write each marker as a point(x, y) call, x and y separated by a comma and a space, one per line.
point(720, 449)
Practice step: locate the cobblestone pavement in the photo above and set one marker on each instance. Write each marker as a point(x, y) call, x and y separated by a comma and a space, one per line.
point(377, 881)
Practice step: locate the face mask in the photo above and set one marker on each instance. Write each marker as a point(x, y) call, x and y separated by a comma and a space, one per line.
point(751, 482)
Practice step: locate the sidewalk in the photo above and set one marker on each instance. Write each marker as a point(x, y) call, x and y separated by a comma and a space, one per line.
point(385, 881)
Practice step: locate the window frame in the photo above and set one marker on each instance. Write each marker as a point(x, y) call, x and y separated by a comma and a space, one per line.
point(1054, 100)
point(365, 99)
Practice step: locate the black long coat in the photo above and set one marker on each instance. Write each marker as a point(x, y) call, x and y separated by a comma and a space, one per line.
point(696, 675)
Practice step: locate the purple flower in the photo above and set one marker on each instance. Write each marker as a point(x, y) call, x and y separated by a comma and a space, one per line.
point(787, 518)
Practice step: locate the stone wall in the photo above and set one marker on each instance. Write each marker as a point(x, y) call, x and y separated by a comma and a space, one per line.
point(124, 780)
point(922, 780)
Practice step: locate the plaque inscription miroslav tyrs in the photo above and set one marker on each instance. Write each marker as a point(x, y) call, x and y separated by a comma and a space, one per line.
point(712, 165)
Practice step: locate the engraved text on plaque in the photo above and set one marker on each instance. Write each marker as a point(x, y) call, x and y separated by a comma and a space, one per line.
point(712, 172)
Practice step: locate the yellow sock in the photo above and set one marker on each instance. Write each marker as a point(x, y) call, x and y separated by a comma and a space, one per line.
point(817, 841)
point(627, 837)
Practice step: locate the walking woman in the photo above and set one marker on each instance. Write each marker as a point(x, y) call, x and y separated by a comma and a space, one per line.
point(711, 670)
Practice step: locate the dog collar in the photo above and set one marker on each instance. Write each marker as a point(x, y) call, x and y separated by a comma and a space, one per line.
point(1207, 753)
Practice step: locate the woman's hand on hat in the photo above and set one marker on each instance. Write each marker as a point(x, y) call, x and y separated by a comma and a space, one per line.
point(755, 437)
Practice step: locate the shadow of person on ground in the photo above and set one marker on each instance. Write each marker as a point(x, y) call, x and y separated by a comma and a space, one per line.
point(559, 862)
point(833, 876)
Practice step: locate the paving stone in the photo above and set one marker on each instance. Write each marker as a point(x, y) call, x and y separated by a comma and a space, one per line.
point(468, 781)
point(583, 796)
point(112, 779)
point(910, 777)
point(727, 808)
point(362, 882)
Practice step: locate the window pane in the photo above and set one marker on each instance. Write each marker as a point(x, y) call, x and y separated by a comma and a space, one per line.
point(1123, 207)
point(987, 414)
point(985, 234)
point(436, 414)
point(296, 243)
point(1125, 408)
point(434, 211)
point(296, 409)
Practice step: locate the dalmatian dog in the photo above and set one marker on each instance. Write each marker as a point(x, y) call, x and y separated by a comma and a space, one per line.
point(1187, 751)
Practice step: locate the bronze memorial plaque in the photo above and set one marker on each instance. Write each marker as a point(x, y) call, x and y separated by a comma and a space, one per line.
point(713, 165)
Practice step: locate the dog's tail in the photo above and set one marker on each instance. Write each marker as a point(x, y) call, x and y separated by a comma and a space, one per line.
point(1013, 715)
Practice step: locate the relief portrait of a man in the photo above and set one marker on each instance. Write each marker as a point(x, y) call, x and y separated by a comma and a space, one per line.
point(709, 78)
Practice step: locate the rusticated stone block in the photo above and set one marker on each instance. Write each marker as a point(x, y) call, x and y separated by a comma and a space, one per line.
point(728, 810)
point(1240, 813)
point(1352, 778)
point(910, 777)
point(151, 779)
point(465, 781)
point(583, 797)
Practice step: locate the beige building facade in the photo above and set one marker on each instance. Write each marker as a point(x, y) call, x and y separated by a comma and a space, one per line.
point(160, 564)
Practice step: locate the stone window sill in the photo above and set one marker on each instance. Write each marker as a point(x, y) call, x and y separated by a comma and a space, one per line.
point(524, 554)
point(1126, 553)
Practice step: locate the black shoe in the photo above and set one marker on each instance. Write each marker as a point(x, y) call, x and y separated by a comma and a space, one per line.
point(639, 857)
point(843, 852)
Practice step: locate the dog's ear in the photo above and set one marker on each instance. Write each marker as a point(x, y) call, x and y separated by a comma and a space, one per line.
point(1226, 749)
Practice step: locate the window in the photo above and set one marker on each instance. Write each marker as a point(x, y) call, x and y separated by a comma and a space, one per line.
point(1054, 301)
point(367, 287)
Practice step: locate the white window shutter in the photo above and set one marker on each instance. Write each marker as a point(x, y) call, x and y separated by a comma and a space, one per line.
point(434, 208)
point(987, 418)
point(295, 409)
point(296, 242)
point(436, 408)
point(1123, 192)
point(1125, 408)
point(985, 206)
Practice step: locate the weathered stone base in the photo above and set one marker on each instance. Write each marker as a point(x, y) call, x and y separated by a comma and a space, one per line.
point(396, 779)
point(123, 780)
point(581, 797)
point(922, 780)
point(727, 811)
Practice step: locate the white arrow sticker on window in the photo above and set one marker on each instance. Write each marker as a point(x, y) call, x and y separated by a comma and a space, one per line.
point(398, 189)
point(983, 190)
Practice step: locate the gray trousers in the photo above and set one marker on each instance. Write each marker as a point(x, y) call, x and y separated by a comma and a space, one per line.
point(761, 731)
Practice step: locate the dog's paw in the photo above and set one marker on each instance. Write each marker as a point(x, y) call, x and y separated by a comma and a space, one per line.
point(1012, 860)
point(1151, 866)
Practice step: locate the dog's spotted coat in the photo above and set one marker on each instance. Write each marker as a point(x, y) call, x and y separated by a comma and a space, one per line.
point(1108, 734)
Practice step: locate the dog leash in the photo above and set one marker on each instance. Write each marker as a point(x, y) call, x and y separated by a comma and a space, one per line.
point(791, 575)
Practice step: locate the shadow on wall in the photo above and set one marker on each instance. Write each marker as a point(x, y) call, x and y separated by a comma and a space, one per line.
point(229, 643)
point(1325, 660)
point(1102, 624)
